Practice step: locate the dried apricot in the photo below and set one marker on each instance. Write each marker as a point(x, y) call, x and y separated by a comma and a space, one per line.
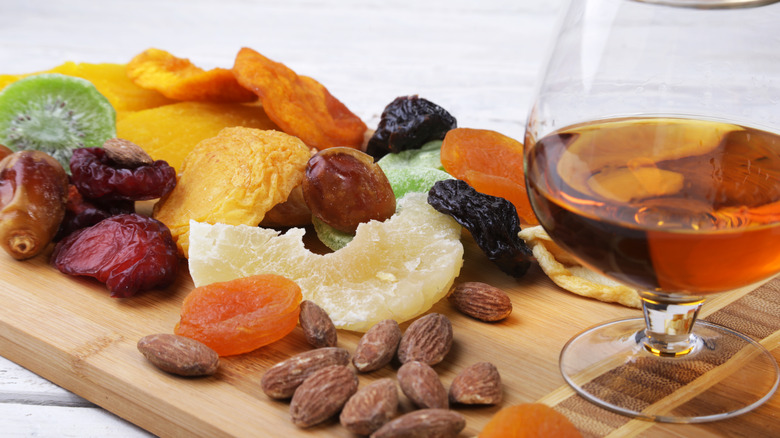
point(300, 105)
point(241, 315)
point(178, 78)
point(529, 420)
point(490, 162)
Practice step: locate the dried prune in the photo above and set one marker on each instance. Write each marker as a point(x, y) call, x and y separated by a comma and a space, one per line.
point(343, 187)
point(408, 122)
point(99, 177)
point(81, 213)
point(127, 252)
point(491, 220)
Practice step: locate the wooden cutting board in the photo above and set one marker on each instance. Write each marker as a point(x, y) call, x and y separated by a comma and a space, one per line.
point(71, 332)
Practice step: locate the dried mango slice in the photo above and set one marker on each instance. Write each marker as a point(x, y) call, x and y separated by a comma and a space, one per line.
point(565, 271)
point(300, 105)
point(111, 81)
point(171, 132)
point(178, 78)
point(233, 178)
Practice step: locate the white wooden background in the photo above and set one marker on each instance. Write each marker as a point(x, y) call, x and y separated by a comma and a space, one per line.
point(477, 58)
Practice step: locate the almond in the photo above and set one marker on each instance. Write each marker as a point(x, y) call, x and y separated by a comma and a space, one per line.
point(371, 407)
point(481, 301)
point(318, 328)
point(179, 355)
point(322, 395)
point(281, 380)
point(428, 339)
point(478, 384)
point(126, 153)
point(377, 347)
point(423, 423)
point(420, 383)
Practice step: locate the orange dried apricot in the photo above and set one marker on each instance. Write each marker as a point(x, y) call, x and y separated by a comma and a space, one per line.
point(490, 162)
point(529, 420)
point(300, 105)
point(241, 315)
point(178, 78)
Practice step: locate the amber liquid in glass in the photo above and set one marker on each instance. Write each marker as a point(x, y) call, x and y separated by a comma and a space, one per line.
point(661, 203)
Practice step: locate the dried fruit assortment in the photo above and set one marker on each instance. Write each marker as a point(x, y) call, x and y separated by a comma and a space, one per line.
point(225, 154)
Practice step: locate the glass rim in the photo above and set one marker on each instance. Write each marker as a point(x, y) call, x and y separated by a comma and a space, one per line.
point(711, 4)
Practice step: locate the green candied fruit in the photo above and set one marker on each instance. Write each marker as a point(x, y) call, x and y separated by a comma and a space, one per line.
point(404, 180)
point(329, 236)
point(429, 155)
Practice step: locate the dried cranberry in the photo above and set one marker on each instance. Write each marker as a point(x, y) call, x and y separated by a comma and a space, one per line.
point(409, 122)
point(81, 213)
point(127, 252)
point(492, 222)
point(98, 177)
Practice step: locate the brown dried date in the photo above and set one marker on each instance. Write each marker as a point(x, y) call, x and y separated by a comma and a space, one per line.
point(98, 176)
point(127, 252)
point(343, 187)
point(33, 192)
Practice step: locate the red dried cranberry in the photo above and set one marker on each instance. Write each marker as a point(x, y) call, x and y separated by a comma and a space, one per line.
point(81, 213)
point(99, 177)
point(127, 252)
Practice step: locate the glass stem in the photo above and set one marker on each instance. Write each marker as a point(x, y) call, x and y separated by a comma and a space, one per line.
point(670, 323)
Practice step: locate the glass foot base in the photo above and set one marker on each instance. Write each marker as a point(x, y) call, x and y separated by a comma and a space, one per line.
point(725, 374)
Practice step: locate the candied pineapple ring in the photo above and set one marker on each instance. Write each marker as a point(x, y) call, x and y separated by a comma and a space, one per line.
point(569, 274)
point(233, 178)
point(177, 78)
point(396, 269)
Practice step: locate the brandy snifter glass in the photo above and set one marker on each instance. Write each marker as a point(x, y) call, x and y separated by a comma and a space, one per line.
point(653, 156)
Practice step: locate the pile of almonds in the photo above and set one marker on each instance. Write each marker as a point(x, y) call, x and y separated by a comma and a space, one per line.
point(321, 384)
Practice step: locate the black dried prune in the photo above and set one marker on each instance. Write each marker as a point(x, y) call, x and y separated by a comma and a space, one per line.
point(99, 177)
point(127, 252)
point(491, 220)
point(409, 122)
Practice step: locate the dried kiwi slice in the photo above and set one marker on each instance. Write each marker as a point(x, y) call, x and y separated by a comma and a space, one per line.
point(55, 114)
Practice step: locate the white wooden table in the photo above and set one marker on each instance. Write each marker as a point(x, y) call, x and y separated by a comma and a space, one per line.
point(478, 59)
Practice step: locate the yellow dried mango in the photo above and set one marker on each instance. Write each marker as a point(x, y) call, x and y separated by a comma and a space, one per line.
point(233, 178)
point(112, 82)
point(178, 78)
point(170, 132)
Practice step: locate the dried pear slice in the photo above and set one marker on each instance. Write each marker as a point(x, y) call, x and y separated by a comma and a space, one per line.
point(565, 271)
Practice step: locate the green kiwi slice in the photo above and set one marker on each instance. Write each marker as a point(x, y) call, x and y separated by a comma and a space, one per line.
point(55, 114)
